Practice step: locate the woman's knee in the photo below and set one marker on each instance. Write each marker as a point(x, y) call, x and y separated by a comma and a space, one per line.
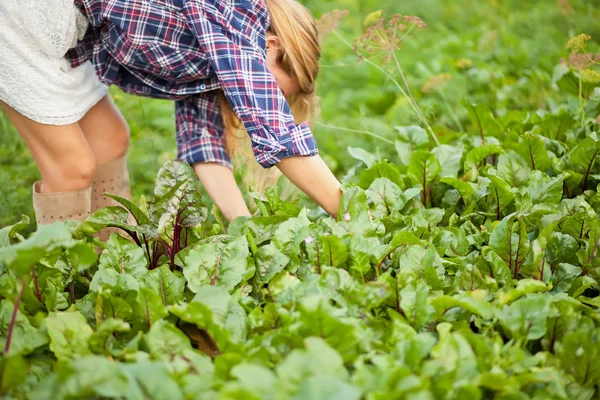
point(73, 173)
point(106, 131)
point(121, 137)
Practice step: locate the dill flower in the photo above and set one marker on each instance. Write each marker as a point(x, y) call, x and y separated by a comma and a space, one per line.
point(578, 43)
point(330, 21)
point(590, 76)
point(463, 63)
point(382, 38)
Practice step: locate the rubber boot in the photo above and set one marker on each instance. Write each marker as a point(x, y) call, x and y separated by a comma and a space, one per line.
point(112, 178)
point(54, 207)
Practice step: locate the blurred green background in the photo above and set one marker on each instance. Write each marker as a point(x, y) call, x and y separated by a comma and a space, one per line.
point(498, 52)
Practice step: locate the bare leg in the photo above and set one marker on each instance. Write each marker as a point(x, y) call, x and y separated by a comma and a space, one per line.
point(106, 131)
point(62, 154)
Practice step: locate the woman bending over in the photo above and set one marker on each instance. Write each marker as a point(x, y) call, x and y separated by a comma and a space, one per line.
point(227, 65)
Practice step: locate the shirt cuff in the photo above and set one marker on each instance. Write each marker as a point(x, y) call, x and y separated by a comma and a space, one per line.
point(205, 149)
point(298, 142)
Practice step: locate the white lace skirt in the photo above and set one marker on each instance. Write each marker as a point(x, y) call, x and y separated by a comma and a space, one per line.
point(35, 78)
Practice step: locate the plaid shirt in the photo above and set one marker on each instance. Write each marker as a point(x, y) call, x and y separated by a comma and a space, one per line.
point(186, 49)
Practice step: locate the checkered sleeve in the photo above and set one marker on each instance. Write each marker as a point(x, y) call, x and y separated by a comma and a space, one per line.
point(240, 66)
point(200, 131)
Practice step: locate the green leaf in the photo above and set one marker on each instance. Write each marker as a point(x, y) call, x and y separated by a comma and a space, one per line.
point(325, 388)
point(140, 217)
point(386, 197)
point(423, 168)
point(476, 155)
point(414, 302)
point(335, 250)
point(123, 256)
point(362, 155)
point(464, 188)
point(154, 380)
point(103, 340)
point(81, 256)
point(544, 190)
point(580, 356)
point(418, 264)
point(584, 156)
point(561, 249)
point(262, 228)
point(21, 257)
point(536, 265)
point(533, 150)
point(277, 205)
point(220, 263)
point(151, 305)
point(170, 285)
point(318, 317)
point(214, 310)
point(354, 204)
point(14, 372)
point(513, 169)
point(179, 203)
point(483, 120)
point(410, 139)
point(451, 241)
point(475, 302)
point(578, 217)
point(563, 277)
point(25, 336)
point(381, 169)
point(255, 379)
point(269, 262)
point(171, 174)
point(317, 359)
point(497, 267)
point(526, 317)
point(509, 240)
point(592, 253)
point(69, 334)
point(165, 340)
point(9, 233)
point(364, 252)
point(291, 233)
point(524, 287)
point(501, 193)
point(112, 216)
point(449, 158)
point(455, 354)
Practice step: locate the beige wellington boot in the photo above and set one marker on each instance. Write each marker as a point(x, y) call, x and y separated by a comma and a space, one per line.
point(54, 207)
point(112, 178)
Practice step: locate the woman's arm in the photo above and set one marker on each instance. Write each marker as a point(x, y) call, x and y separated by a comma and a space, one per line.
point(219, 182)
point(314, 178)
point(310, 174)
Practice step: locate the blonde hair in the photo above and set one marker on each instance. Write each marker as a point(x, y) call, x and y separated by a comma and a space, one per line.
point(299, 56)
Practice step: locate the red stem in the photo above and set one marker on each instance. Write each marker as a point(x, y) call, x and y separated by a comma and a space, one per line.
point(37, 287)
point(72, 292)
point(318, 257)
point(175, 241)
point(13, 318)
point(425, 184)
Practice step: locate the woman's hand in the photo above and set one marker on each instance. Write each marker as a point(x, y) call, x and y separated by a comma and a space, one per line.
point(314, 178)
point(310, 174)
point(219, 182)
